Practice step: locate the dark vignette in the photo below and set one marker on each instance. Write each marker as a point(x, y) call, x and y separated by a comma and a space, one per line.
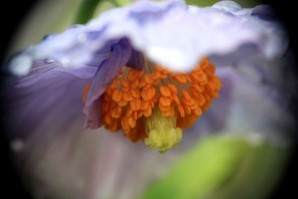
point(17, 10)
point(12, 15)
point(286, 187)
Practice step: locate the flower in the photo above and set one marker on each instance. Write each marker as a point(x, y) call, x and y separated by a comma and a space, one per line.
point(45, 105)
point(150, 99)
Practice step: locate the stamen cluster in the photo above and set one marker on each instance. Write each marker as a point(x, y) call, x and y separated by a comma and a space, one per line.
point(134, 95)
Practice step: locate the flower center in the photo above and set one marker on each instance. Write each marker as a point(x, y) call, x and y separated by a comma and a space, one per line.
point(154, 105)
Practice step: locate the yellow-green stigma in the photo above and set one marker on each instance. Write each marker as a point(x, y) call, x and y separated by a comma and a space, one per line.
point(162, 133)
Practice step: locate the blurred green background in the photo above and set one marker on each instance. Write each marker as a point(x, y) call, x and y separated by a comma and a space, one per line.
point(223, 167)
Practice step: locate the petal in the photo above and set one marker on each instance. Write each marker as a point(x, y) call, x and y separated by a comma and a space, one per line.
point(169, 33)
point(70, 51)
point(136, 60)
point(258, 106)
point(177, 36)
point(82, 164)
point(47, 69)
point(253, 98)
point(51, 102)
point(264, 12)
point(105, 73)
point(227, 6)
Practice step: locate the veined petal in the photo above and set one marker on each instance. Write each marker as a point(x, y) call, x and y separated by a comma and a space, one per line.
point(177, 36)
point(52, 102)
point(105, 73)
point(47, 69)
point(169, 33)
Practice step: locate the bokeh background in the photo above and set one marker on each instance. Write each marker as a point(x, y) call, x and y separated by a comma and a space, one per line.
point(266, 171)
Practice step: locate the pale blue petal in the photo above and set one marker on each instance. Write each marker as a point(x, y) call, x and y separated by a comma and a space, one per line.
point(227, 6)
point(104, 75)
point(169, 33)
point(177, 36)
point(48, 105)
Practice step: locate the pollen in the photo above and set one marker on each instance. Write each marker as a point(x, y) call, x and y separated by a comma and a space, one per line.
point(155, 105)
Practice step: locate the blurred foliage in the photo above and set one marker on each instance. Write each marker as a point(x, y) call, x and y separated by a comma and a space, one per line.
point(86, 10)
point(103, 6)
point(46, 17)
point(222, 167)
point(243, 3)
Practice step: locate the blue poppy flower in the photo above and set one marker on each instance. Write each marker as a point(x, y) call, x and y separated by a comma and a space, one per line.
point(149, 69)
point(143, 68)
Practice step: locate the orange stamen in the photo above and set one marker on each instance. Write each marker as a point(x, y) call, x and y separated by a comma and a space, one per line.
point(117, 95)
point(164, 101)
point(85, 92)
point(181, 111)
point(179, 78)
point(135, 104)
point(133, 95)
point(165, 91)
point(173, 88)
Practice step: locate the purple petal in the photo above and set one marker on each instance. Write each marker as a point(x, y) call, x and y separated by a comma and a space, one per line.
point(49, 69)
point(169, 33)
point(105, 73)
point(264, 12)
point(227, 6)
point(136, 60)
point(52, 102)
point(220, 30)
